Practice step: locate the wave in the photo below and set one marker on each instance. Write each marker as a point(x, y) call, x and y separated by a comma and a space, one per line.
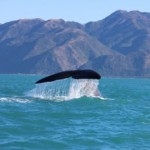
point(14, 99)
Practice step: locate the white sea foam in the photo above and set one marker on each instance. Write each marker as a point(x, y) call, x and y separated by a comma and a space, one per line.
point(14, 99)
point(66, 89)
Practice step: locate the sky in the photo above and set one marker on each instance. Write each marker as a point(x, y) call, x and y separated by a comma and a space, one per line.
point(81, 11)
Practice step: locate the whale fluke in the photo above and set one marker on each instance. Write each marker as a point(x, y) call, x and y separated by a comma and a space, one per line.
point(76, 74)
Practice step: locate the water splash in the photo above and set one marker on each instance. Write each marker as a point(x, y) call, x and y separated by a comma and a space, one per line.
point(66, 89)
point(84, 87)
point(14, 99)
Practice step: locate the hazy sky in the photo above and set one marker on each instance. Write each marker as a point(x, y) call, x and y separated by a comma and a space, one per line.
point(70, 10)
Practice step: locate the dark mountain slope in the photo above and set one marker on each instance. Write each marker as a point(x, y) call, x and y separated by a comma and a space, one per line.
point(115, 46)
point(129, 34)
point(37, 46)
point(122, 31)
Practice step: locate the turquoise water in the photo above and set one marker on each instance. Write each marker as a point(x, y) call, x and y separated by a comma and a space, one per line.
point(119, 119)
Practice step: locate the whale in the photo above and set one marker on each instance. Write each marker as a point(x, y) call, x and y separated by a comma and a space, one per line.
point(75, 74)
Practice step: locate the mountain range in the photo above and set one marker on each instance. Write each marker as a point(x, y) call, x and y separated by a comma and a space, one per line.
point(118, 45)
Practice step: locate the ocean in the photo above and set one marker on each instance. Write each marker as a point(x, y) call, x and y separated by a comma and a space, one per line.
point(67, 114)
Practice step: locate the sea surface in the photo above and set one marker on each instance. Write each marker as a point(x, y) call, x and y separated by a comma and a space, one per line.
point(69, 115)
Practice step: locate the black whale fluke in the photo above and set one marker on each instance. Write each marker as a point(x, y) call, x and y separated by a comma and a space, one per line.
point(76, 74)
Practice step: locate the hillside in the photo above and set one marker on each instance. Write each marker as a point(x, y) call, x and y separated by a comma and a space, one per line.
point(118, 45)
point(127, 33)
point(37, 46)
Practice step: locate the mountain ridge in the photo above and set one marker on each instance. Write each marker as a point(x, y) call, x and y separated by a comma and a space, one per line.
point(117, 45)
